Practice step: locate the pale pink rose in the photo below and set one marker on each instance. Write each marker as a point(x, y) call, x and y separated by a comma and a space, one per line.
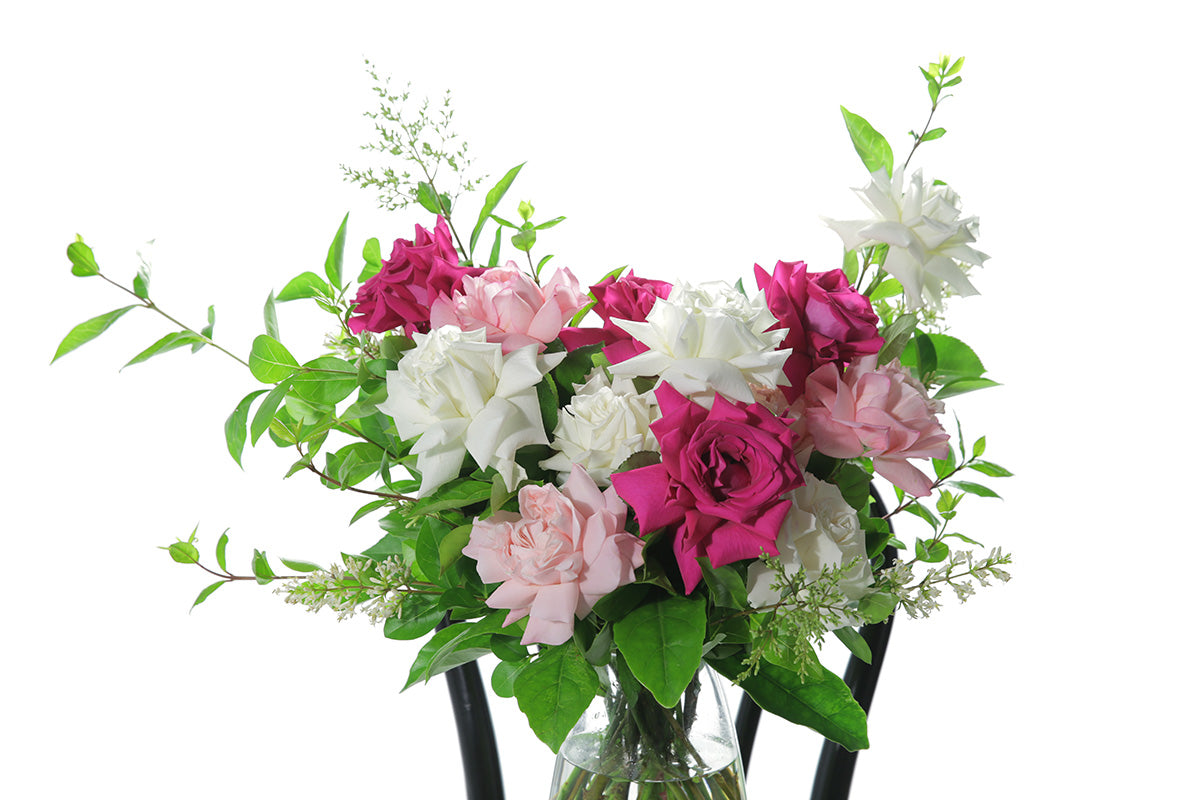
point(511, 307)
point(555, 559)
point(878, 412)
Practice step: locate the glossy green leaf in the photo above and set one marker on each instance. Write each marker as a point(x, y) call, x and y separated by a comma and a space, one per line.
point(206, 591)
point(306, 284)
point(172, 341)
point(222, 543)
point(184, 553)
point(955, 388)
point(975, 489)
point(869, 143)
point(850, 266)
point(453, 646)
point(300, 566)
point(895, 337)
point(326, 380)
point(419, 614)
point(83, 261)
point(261, 568)
point(931, 551)
point(493, 198)
point(548, 224)
point(494, 256)
point(821, 702)
point(726, 587)
point(524, 240)
point(554, 690)
point(455, 495)
point(337, 250)
point(270, 361)
point(662, 642)
point(504, 676)
point(84, 332)
point(877, 607)
point(855, 643)
point(451, 546)
point(992, 470)
point(267, 410)
point(372, 260)
point(428, 198)
point(235, 426)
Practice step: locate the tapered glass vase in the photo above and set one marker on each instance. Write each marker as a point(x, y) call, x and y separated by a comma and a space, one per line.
point(628, 747)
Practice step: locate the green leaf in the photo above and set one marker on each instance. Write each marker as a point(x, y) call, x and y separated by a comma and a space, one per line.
point(373, 260)
point(370, 507)
point(931, 551)
point(235, 426)
point(455, 495)
point(270, 318)
point(618, 603)
point(300, 566)
point(855, 643)
point(326, 380)
point(955, 388)
point(869, 143)
point(453, 646)
point(554, 690)
point(936, 133)
point(953, 70)
point(895, 337)
point(726, 587)
point(850, 266)
point(261, 568)
point(207, 330)
point(550, 224)
point(524, 240)
point(855, 485)
point(141, 282)
point(990, 469)
point(307, 284)
point(822, 702)
point(877, 607)
point(924, 513)
point(525, 210)
point(662, 642)
point(171, 341)
point(419, 614)
point(927, 356)
point(979, 447)
point(206, 591)
point(494, 257)
point(83, 261)
point(337, 249)
point(266, 410)
point(270, 361)
point(504, 676)
point(952, 359)
point(184, 553)
point(494, 196)
point(547, 392)
point(975, 489)
point(84, 332)
point(427, 197)
point(221, 544)
point(451, 546)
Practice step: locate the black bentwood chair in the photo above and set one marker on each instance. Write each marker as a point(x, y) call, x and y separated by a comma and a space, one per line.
point(835, 767)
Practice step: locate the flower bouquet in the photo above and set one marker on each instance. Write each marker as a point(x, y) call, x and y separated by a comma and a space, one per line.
point(610, 487)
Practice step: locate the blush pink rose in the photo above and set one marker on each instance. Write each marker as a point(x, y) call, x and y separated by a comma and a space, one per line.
point(419, 271)
point(511, 307)
point(721, 484)
point(827, 320)
point(627, 297)
point(878, 412)
point(557, 557)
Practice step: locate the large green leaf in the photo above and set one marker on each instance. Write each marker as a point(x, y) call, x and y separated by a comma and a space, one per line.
point(235, 426)
point(870, 144)
point(662, 642)
point(326, 380)
point(554, 690)
point(270, 361)
point(454, 645)
point(84, 332)
point(822, 702)
point(306, 284)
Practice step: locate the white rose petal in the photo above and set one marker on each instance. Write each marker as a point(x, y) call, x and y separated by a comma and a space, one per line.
point(821, 531)
point(459, 393)
point(924, 234)
point(708, 338)
point(601, 427)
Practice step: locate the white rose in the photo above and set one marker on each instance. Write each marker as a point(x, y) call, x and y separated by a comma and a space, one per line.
point(708, 338)
point(821, 531)
point(924, 234)
point(601, 427)
point(460, 394)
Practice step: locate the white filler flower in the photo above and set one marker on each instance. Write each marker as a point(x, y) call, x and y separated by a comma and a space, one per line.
point(461, 394)
point(924, 234)
point(601, 427)
point(708, 338)
point(821, 531)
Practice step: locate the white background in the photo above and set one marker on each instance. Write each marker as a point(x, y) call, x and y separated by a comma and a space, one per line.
point(689, 143)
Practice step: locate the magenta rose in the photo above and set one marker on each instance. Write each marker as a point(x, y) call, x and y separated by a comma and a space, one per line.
point(878, 412)
point(627, 297)
point(555, 559)
point(721, 484)
point(827, 320)
point(418, 272)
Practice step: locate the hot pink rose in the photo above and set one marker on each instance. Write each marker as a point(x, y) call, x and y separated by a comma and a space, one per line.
point(827, 321)
point(555, 559)
point(878, 412)
point(401, 293)
point(627, 297)
point(721, 482)
point(511, 307)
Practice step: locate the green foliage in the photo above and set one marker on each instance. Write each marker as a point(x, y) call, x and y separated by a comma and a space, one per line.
point(455, 645)
point(554, 690)
point(823, 703)
point(172, 341)
point(84, 332)
point(662, 642)
point(336, 254)
point(869, 143)
point(490, 202)
point(270, 361)
point(83, 261)
point(855, 643)
point(307, 284)
point(235, 425)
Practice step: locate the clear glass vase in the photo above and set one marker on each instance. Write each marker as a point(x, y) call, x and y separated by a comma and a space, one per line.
point(628, 747)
